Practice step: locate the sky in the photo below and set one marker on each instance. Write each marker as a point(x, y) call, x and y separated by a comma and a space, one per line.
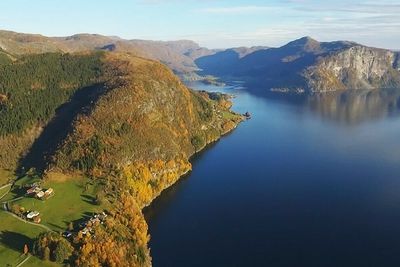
point(211, 23)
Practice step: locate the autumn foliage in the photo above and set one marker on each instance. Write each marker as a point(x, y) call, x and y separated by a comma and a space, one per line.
point(133, 141)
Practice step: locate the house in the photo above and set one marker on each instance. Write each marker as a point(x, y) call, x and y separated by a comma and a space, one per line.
point(37, 219)
point(48, 192)
point(40, 194)
point(32, 214)
point(30, 190)
point(33, 190)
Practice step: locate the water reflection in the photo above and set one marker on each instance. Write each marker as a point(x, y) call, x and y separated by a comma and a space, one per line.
point(356, 106)
point(288, 189)
point(348, 107)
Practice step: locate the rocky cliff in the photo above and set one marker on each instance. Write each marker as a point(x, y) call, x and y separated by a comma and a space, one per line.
point(357, 67)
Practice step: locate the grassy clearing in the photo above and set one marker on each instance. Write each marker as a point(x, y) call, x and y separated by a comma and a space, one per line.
point(70, 202)
point(229, 115)
point(14, 234)
point(36, 262)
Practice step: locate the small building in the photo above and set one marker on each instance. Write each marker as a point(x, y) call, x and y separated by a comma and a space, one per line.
point(30, 191)
point(49, 191)
point(32, 214)
point(40, 194)
point(37, 219)
point(33, 190)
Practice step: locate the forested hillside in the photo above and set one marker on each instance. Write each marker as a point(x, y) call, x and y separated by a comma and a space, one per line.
point(122, 125)
point(31, 89)
point(53, 77)
point(148, 126)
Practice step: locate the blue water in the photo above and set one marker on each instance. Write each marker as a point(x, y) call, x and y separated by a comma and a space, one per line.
point(308, 181)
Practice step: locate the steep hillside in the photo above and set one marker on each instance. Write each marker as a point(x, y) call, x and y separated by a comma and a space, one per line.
point(31, 90)
point(138, 138)
point(122, 125)
point(357, 67)
point(147, 123)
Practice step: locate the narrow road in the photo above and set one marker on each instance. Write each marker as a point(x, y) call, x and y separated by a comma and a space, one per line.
point(15, 199)
point(25, 221)
point(4, 186)
point(22, 262)
point(8, 191)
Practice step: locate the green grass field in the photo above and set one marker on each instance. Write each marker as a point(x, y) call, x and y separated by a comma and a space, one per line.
point(69, 203)
point(228, 115)
point(14, 234)
point(36, 262)
point(72, 201)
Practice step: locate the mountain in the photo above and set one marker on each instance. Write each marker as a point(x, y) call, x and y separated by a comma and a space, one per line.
point(301, 65)
point(221, 63)
point(122, 125)
point(178, 55)
point(308, 65)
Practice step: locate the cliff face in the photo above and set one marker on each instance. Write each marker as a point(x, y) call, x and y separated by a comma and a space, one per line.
point(357, 67)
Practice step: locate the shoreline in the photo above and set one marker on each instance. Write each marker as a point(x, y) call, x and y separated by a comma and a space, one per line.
point(209, 144)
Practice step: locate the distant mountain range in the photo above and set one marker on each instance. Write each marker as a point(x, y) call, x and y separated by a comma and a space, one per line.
point(308, 65)
point(303, 65)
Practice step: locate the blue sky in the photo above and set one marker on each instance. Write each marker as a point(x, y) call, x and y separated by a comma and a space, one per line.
point(212, 23)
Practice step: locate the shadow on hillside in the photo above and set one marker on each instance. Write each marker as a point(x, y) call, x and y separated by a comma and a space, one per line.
point(89, 199)
point(15, 241)
point(59, 127)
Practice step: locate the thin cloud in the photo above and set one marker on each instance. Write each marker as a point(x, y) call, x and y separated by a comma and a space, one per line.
point(361, 8)
point(237, 9)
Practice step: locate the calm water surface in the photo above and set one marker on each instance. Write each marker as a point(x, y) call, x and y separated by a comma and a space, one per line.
point(308, 181)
